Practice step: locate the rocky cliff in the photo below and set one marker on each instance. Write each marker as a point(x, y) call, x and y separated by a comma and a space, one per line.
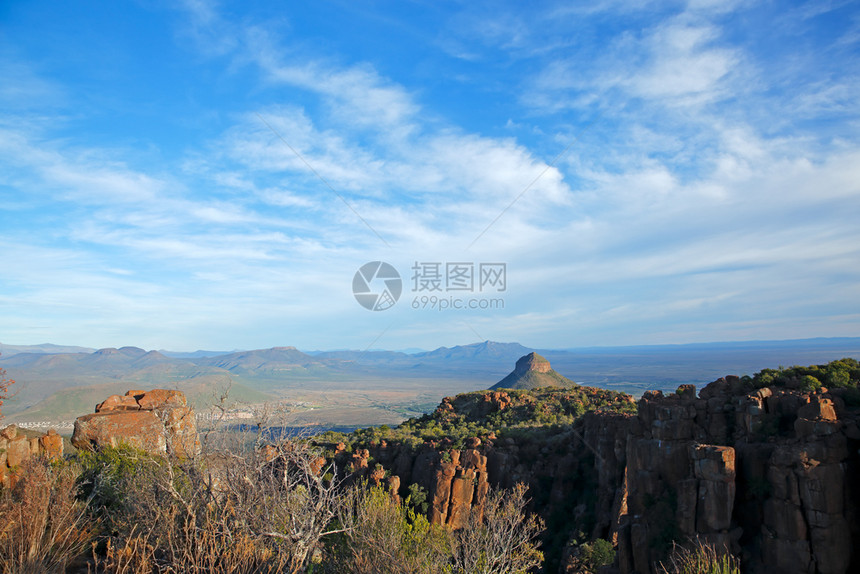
point(769, 473)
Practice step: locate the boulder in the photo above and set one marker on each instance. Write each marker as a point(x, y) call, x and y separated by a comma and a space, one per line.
point(118, 403)
point(10, 432)
point(138, 429)
point(18, 451)
point(158, 421)
point(161, 398)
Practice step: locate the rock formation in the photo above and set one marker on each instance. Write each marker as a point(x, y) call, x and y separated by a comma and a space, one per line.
point(531, 372)
point(16, 448)
point(158, 421)
point(773, 474)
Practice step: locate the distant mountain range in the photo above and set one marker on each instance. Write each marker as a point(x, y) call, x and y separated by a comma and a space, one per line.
point(46, 348)
point(55, 381)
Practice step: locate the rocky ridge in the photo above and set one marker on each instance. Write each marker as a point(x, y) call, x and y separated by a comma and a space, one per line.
point(770, 473)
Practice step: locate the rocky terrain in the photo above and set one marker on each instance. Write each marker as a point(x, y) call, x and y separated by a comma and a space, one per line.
point(770, 473)
point(767, 467)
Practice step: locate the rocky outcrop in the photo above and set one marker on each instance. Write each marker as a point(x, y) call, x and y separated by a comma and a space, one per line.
point(770, 474)
point(773, 474)
point(158, 421)
point(16, 448)
point(532, 371)
point(532, 362)
point(456, 481)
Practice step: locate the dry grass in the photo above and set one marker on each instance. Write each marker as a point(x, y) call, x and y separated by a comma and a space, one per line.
point(262, 512)
point(502, 541)
point(700, 557)
point(382, 535)
point(43, 528)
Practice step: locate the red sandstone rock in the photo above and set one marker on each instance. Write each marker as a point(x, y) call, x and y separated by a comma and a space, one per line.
point(51, 445)
point(10, 432)
point(394, 488)
point(163, 423)
point(160, 398)
point(317, 465)
point(138, 429)
point(462, 492)
point(118, 403)
point(377, 475)
point(180, 426)
point(440, 493)
point(17, 451)
point(359, 459)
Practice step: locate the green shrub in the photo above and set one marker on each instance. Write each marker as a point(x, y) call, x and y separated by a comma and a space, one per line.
point(597, 554)
point(809, 383)
point(106, 474)
point(844, 373)
point(380, 535)
point(417, 498)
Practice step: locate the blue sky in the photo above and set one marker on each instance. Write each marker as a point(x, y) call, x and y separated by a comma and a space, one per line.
point(211, 175)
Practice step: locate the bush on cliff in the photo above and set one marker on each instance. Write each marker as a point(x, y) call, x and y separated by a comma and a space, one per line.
point(381, 534)
point(841, 374)
point(481, 413)
point(106, 475)
point(589, 557)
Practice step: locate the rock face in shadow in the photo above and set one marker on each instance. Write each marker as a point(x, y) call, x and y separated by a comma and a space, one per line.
point(773, 474)
point(768, 474)
point(158, 421)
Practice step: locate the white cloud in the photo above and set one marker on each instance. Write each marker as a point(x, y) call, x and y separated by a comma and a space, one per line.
point(683, 65)
point(683, 204)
